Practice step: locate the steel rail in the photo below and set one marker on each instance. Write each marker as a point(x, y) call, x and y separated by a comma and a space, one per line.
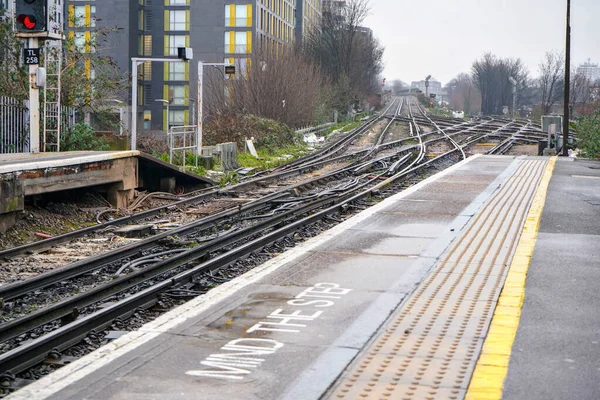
point(46, 243)
point(18, 289)
point(332, 148)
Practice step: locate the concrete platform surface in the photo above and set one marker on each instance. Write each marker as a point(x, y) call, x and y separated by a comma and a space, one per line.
point(556, 354)
point(290, 327)
point(27, 161)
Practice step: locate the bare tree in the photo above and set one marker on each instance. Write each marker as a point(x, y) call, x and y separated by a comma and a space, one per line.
point(398, 86)
point(346, 53)
point(464, 96)
point(491, 75)
point(551, 80)
point(282, 86)
point(580, 93)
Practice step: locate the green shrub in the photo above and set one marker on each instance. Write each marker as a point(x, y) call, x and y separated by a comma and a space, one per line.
point(82, 137)
point(588, 135)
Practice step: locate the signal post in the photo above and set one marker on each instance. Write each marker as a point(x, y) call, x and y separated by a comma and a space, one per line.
point(31, 23)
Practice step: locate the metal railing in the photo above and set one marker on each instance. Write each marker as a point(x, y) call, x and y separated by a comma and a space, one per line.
point(315, 129)
point(183, 139)
point(14, 126)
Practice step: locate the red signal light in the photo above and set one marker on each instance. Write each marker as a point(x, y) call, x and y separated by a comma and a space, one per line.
point(28, 21)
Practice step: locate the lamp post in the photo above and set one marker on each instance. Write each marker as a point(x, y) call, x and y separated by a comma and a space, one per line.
point(201, 66)
point(565, 148)
point(167, 103)
point(135, 64)
point(514, 82)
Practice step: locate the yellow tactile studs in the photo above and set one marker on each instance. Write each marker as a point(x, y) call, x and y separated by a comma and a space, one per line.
point(492, 366)
point(429, 347)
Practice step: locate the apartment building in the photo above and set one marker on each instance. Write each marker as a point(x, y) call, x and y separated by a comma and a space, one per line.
point(590, 70)
point(308, 17)
point(218, 32)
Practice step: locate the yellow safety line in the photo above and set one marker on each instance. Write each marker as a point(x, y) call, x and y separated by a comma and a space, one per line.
point(492, 366)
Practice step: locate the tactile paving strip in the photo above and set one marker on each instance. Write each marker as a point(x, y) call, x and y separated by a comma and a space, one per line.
point(429, 347)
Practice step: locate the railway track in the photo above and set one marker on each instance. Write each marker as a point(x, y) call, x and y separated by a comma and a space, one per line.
point(298, 167)
point(142, 273)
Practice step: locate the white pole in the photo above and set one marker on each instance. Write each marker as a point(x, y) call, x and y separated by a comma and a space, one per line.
point(167, 115)
point(34, 103)
point(200, 96)
point(120, 121)
point(134, 100)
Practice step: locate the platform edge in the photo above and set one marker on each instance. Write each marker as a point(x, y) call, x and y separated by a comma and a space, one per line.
point(492, 366)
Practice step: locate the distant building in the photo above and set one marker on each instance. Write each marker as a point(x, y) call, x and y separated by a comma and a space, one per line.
point(435, 87)
point(365, 32)
point(218, 32)
point(590, 71)
point(308, 18)
point(334, 7)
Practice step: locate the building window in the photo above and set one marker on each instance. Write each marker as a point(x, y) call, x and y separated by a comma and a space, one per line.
point(177, 20)
point(172, 42)
point(177, 95)
point(241, 67)
point(177, 2)
point(238, 15)
point(79, 41)
point(241, 45)
point(147, 119)
point(141, 20)
point(145, 45)
point(79, 16)
point(177, 71)
point(238, 42)
point(176, 117)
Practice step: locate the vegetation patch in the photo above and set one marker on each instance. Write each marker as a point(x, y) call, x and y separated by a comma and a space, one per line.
point(271, 157)
point(588, 135)
point(236, 128)
point(82, 137)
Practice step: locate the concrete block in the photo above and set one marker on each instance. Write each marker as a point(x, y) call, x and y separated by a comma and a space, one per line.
point(208, 162)
point(11, 194)
point(7, 221)
point(168, 184)
point(120, 198)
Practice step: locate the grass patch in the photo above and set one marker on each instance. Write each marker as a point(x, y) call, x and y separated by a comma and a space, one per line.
point(271, 158)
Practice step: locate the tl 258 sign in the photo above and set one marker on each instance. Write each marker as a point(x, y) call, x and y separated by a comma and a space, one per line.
point(31, 56)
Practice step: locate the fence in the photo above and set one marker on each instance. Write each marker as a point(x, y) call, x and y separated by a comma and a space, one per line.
point(183, 138)
point(14, 125)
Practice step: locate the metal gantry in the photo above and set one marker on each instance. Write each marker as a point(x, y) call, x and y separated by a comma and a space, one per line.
point(52, 99)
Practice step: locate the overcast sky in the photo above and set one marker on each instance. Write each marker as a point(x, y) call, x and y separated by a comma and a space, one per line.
point(444, 37)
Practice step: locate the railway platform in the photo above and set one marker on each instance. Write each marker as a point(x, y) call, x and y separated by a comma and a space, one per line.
point(118, 173)
point(479, 282)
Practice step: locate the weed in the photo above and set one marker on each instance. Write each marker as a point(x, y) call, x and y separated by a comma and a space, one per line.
point(270, 158)
point(229, 178)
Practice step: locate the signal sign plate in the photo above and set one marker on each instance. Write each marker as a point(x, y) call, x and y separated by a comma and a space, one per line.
point(31, 56)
